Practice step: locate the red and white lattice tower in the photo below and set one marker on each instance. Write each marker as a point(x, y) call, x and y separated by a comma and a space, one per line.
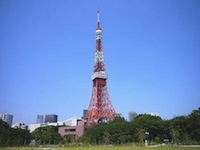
point(100, 108)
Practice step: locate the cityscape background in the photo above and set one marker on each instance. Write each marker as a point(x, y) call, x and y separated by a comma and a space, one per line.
point(151, 51)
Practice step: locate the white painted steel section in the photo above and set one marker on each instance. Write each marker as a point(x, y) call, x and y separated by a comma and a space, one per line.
point(98, 34)
point(99, 56)
point(101, 75)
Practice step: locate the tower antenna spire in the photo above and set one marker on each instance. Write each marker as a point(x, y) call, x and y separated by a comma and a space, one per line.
point(98, 19)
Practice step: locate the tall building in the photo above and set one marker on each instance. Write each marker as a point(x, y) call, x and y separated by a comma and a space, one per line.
point(40, 119)
point(51, 118)
point(7, 118)
point(84, 112)
point(132, 115)
point(100, 108)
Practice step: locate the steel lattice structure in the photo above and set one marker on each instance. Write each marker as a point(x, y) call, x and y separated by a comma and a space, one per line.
point(100, 107)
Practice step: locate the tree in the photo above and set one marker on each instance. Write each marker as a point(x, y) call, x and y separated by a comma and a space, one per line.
point(193, 125)
point(4, 133)
point(47, 135)
point(113, 132)
point(146, 123)
point(13, 137)
point(106, 138)
point(69, 138)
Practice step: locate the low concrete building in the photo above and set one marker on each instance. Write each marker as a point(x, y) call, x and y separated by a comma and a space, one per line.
point(72, 121)
point(32, 127)
point(20, 125)
point(77, 130)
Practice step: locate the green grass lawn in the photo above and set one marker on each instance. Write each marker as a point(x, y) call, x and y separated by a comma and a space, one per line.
point(102, 148)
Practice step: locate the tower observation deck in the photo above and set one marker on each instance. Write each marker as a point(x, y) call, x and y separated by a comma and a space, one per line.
point(100, 107)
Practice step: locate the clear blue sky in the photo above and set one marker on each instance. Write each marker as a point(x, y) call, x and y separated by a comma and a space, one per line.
point(151, 50)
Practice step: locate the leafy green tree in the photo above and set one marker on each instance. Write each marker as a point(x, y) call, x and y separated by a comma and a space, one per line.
point(13, 137)
point(47, 135)
point(141, 136)
point(4, 133)
point(178, 130)
point(114, 132)
point(193, 125)
point(146, 124)
point(69, 139)
point(19, 137)
point(106, 138)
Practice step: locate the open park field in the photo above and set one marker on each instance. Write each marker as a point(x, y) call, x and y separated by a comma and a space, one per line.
point(102, 148)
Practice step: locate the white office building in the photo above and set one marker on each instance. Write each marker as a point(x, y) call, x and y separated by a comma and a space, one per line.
point(72, 121)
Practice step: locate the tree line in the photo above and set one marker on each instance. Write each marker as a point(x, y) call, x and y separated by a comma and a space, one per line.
point(145, 127)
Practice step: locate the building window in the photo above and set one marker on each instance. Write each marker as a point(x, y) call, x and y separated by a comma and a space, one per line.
point(70, 130)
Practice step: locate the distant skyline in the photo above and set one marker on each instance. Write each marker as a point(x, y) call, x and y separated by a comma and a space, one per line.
point(151, 50)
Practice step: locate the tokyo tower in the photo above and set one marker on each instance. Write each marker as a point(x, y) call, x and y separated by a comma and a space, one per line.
point(100, 108)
